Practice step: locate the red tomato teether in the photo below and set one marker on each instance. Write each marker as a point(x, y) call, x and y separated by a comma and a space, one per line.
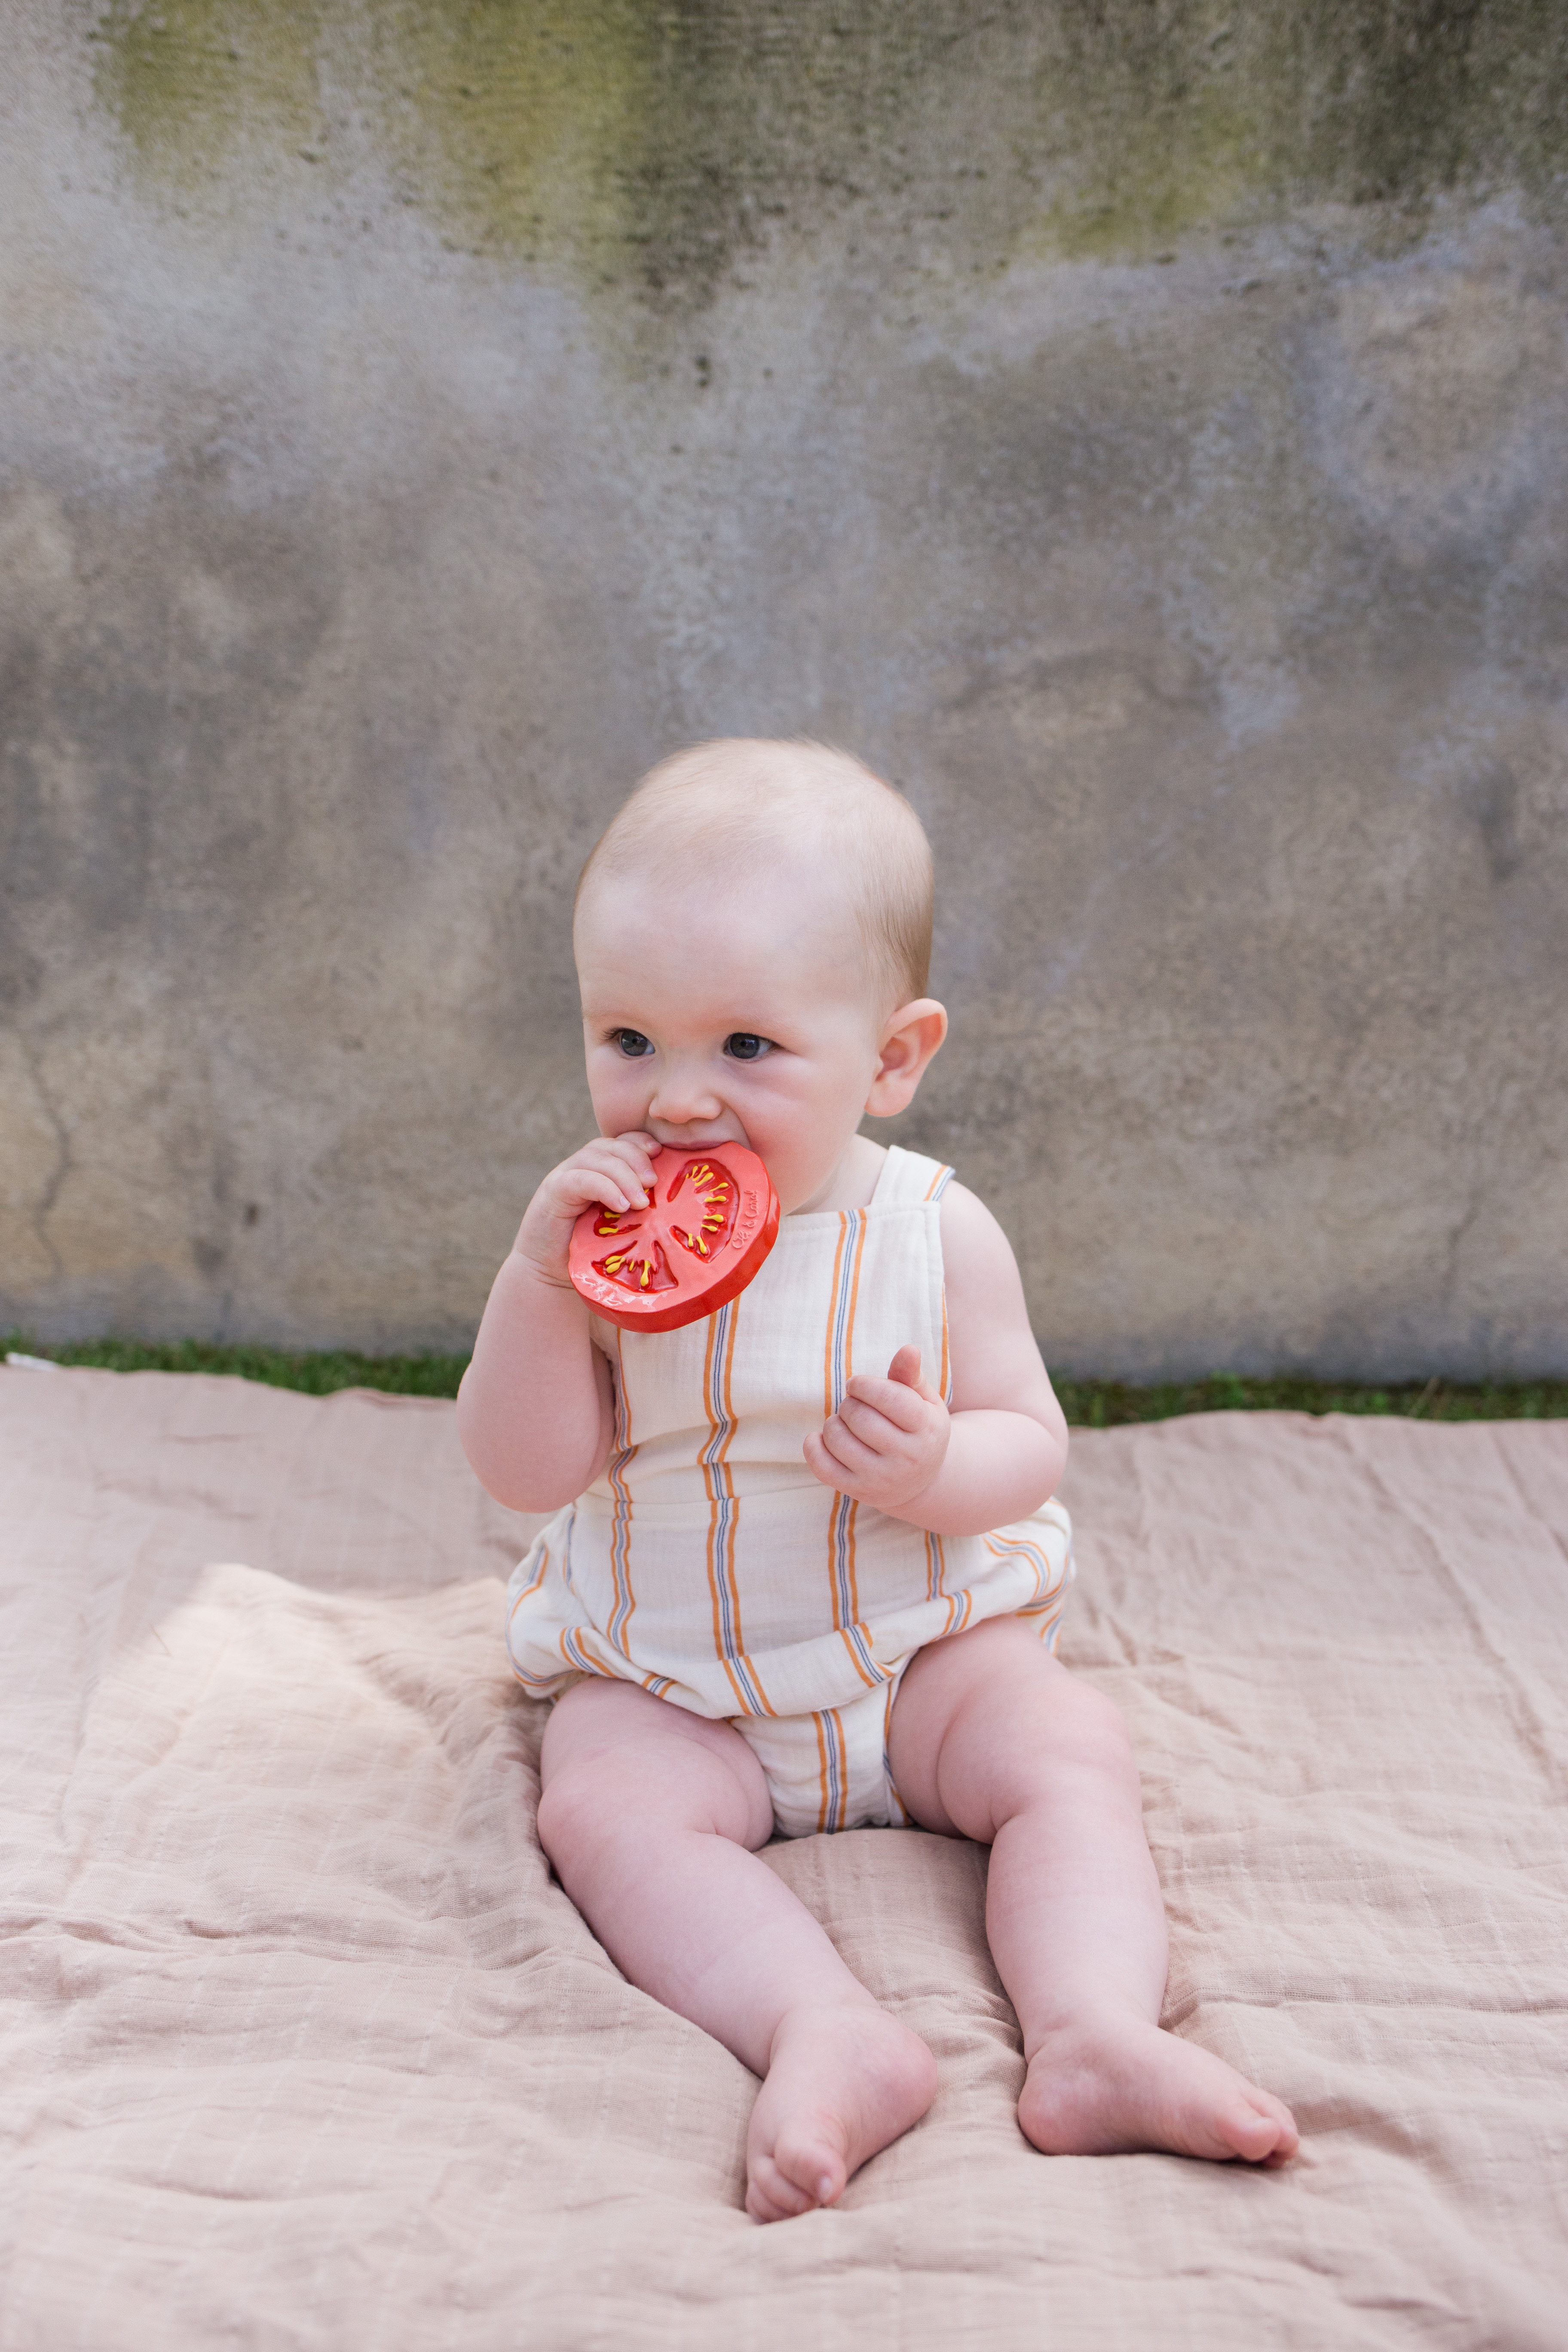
point(710, 1221)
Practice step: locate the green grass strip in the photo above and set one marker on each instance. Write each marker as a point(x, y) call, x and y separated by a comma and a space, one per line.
point(1108, 1405)
point(1090, 1404)
point(318, 1373)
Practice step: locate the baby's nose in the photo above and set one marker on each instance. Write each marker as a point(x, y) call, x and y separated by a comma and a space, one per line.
point(682, 1099)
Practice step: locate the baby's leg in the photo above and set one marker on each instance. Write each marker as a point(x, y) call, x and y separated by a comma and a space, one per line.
point(991, 1738)
point(650, 1816)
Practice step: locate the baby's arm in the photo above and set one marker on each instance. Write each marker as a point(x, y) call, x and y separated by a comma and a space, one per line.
point(536, 1411)
point(1000, 1452)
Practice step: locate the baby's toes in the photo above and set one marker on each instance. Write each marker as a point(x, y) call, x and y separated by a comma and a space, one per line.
point(798, 2172)
point(1260, 2128)
point(1287, 2139)
point(771, 2198)
point(784, 2183)
point(814, 2168)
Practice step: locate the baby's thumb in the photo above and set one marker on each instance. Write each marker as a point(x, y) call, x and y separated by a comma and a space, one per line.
point(905, 1369)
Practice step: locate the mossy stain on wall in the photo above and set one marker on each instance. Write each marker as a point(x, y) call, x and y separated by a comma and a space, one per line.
point(513, 123)
point(654, 143)
point(197, 84)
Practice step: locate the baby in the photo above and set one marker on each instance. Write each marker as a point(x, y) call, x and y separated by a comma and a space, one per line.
point(804, 1572)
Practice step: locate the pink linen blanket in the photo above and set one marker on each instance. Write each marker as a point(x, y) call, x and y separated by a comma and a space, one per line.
point(304, 2047)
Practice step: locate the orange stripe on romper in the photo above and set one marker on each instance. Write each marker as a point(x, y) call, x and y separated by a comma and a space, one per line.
point(823, 1778)
point(712, 1491)
point(904, 1813)
point(529, 1590)
point(575, 1652)
point(722, 1582)
point(768, 1707)
point(844, 1510)
point(723, 1466)
point(742, 1704)
point(944, 1383)
point(827, 1411)
point(847, 1633)
point(759, 1698)
point(854, 1512)
point(854, 1296)
point(622, 1539)
point(827, 1404)
point(850, 1527)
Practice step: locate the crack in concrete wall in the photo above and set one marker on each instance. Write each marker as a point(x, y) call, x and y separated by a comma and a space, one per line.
point(39, 1209)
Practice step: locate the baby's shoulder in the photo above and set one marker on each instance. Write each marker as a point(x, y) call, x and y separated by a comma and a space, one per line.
point(974, 1247)
point(965, 1212)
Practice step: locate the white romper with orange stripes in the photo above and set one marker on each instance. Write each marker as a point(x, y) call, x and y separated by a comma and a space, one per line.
point(709, 1566)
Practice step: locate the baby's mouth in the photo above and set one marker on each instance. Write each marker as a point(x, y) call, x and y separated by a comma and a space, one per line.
point(697, 1138)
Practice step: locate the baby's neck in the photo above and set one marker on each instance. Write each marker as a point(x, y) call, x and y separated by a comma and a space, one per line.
point(853, 1181)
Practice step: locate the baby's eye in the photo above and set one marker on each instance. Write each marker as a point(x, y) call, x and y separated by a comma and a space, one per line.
point(631, 1043)
point(741, 1046)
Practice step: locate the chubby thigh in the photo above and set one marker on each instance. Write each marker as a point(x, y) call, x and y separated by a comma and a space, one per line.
point(744, 1780)
point(613, 1752)
point(984, 1719)
point(952, 1743)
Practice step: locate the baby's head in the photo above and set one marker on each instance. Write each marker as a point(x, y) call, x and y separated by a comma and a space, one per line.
point(752, 935)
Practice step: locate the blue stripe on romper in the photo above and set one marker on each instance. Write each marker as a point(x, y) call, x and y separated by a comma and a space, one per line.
point(831, 1735)
point(712, 1459)
point(621, 1528)
point(843, 1505)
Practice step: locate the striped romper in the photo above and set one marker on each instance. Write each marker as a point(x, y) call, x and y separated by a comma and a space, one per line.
point(709, 1565)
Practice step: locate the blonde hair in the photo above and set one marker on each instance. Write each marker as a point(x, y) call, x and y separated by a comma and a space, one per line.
point(736, 802)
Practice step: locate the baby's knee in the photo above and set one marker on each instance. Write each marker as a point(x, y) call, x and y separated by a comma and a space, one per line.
point(1020, 1673)
point(1090, 1725)
point(578, 1812)
point(1067, 1721)
point(593, 1806)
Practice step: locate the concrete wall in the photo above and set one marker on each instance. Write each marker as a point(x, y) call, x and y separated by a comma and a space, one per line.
point(1141, 429)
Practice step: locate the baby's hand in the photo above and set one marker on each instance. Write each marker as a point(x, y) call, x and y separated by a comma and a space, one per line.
point(888, 1439)
point(614, 1171)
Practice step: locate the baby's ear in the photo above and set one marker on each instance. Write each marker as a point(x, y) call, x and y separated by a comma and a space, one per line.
point(910, 1036)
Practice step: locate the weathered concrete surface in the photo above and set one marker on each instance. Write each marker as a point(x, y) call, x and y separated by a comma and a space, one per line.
point(1143, 432)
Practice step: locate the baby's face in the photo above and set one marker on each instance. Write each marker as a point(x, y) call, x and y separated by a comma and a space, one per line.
point(732, 1012)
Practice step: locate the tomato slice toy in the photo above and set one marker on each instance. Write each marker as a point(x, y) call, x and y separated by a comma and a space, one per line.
point(711, 1219)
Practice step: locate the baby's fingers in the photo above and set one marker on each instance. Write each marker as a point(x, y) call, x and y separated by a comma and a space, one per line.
point(602, 1172)
point(636, 1149)
point(586, 1188)
point(630, 1160)
point(905, 1369)
point(904, 1407)
point(820, 1461)
point(850, 1452)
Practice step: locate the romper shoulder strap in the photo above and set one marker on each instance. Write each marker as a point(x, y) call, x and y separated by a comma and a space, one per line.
point(908, 1178)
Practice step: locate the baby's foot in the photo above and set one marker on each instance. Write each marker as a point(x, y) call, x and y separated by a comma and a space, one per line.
point(1119, 2083)
point(841, 2083)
